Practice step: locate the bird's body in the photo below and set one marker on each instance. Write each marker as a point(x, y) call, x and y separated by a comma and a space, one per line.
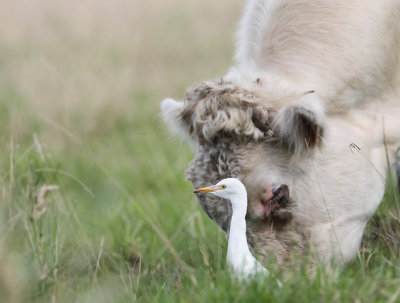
point(239, 257)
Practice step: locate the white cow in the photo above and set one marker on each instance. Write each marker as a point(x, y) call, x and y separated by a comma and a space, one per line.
point(302, 119)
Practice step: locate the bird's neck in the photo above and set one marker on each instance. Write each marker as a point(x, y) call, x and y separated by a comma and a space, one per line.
point(237, 245)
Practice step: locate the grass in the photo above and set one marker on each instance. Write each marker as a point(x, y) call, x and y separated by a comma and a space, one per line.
point(80, 86)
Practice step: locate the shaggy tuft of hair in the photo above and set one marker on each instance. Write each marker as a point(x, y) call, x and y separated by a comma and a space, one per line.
point(216, 108)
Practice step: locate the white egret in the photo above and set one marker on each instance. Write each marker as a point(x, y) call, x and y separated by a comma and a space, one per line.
point(238, 257)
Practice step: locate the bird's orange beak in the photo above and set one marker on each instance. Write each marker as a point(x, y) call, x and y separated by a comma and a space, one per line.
point(207, 189)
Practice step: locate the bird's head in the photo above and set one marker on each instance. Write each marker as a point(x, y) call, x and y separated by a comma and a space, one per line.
point(231, 189)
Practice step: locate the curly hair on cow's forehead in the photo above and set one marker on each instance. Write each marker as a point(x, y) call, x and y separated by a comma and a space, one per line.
point(215, 107)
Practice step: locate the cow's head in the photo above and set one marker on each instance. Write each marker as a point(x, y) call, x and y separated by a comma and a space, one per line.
point(247, 134)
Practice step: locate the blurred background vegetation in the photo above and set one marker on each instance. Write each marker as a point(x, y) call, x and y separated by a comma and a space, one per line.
point(93, 199)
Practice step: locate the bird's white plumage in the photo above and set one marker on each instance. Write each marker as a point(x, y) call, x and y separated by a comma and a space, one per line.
point(239, 257)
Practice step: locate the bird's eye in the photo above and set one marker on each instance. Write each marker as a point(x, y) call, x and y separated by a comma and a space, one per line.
point(223, 186)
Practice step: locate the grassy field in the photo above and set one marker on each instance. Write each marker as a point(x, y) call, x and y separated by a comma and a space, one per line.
point(93, 199)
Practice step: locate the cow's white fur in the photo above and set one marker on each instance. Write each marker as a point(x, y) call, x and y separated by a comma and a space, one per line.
point(348, 52)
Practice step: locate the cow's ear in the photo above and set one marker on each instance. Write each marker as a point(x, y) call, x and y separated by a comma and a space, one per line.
point(174, 113)
point(301, 128)
point(262, 118)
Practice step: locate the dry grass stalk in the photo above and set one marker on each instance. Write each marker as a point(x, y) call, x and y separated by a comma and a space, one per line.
point(98, 259)
point(39, 208)
point(39, 147)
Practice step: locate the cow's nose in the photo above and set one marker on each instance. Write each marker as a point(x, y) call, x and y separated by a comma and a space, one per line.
point(270, 192)
point(274, 198)
point(281, 195)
